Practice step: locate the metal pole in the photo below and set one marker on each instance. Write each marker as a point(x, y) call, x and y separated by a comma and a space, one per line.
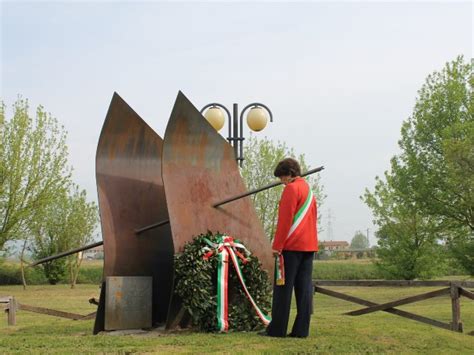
point(235, 118)
point(309, 172)
point(66, 253)
point(241, 141)
point(151, 226)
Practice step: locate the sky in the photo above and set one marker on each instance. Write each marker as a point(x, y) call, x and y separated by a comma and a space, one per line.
point(339, 77)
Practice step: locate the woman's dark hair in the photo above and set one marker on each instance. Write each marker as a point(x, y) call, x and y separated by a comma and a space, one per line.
point(287, 167)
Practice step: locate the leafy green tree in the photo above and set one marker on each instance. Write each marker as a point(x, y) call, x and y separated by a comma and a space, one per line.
point(33, 167)
point(459, 155)
point(81, 224)
point(431, 181)
point(66, 224)
point(54, 270)
point(408, 243)
point(38, 202)
point(359, 241)
point(437, 143)
point(437, 160)
point(261, 158)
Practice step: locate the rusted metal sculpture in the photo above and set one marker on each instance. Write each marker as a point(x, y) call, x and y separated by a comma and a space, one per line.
point(131, 195)
point(142, 228)
point(199, 170)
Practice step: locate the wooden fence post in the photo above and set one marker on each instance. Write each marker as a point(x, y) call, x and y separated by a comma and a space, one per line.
point(11, 310)
point(456, 324)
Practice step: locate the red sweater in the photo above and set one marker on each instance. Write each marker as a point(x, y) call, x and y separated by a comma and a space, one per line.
point(296, 228)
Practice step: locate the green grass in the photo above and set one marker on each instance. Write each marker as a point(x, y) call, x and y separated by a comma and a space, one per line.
point(359, 269)
point(331, 332)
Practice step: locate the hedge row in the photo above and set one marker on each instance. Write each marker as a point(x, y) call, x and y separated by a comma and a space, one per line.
point(346, 270)
point(10, 274)
point(323, 270)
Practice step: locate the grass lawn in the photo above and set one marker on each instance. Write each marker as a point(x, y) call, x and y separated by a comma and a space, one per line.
point(331, 332)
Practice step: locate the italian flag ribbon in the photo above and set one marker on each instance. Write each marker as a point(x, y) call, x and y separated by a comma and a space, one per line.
point(279, 270)
point(226, 248)
point(302, 212)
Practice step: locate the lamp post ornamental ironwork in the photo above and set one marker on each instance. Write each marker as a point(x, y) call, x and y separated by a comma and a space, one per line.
point(256, 120)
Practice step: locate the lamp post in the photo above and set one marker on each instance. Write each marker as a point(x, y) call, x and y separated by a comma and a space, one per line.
point(256, 120)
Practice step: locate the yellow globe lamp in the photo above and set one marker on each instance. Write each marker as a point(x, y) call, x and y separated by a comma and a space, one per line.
point(257, 119)
point(215, 117)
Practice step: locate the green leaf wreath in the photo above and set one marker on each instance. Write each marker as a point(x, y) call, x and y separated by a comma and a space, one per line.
point(196, 284)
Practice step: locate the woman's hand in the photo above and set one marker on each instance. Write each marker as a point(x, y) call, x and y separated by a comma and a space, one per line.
point(276, 252)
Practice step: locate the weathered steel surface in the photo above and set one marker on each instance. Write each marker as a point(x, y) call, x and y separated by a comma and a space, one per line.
point(131, 195)
point(99, 323)
point(128, 302)
point(199, 169)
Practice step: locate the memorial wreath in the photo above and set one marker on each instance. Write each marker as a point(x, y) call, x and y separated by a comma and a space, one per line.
point(222, 285)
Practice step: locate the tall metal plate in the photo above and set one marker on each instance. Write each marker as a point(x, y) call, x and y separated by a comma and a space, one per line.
point(131, 195)
point(199, 169)
point(128, 302)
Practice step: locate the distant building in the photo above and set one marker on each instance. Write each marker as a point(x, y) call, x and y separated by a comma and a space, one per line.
point(94, 253)
point(333, 245)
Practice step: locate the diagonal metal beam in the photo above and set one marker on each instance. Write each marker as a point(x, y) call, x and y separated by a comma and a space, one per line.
point(231, 199)
point(269, 186)
point(66, 253)
point(151, 226)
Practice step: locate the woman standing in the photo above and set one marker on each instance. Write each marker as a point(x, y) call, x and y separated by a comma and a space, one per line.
point(296, 240)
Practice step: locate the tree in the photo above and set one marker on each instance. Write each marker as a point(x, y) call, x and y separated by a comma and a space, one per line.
point(66, 224)
point(33, 167)
point(460, 166)
point(408, 242)
point(359, 241)
point(261, 158)
point(438, 146)
point(430, 182)
point(81, 224)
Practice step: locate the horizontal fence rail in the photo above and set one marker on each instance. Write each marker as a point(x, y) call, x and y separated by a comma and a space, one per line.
point(12, 306)
point(390, 283)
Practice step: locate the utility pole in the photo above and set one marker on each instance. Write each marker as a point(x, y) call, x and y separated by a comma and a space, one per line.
point(368, 241)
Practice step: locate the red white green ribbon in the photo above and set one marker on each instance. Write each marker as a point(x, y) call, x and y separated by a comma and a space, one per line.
point(226, 248)
point(302, 212)
point(279, 270)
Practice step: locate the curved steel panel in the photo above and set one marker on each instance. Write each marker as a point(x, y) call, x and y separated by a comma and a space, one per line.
point(199, 170)
point(131, 195)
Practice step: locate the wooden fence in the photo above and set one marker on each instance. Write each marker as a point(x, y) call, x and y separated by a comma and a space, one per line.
point(455, 289)
point(12, 306)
